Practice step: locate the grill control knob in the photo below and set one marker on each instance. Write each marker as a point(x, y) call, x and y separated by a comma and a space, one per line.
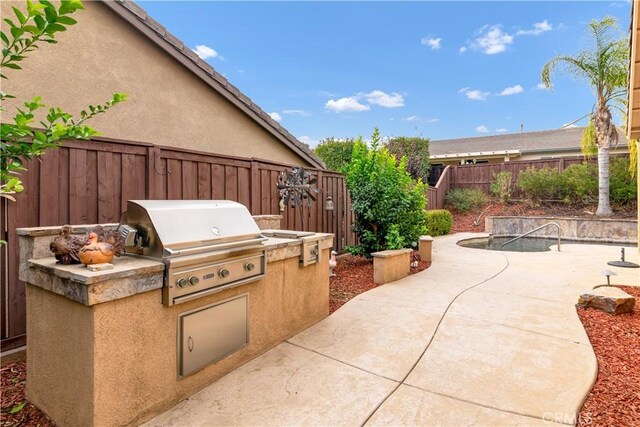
point(193, 280)
point(182, 282)
point(223, 273)
point(249, 266)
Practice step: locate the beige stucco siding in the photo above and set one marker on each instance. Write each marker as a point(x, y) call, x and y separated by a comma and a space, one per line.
point(168, 104)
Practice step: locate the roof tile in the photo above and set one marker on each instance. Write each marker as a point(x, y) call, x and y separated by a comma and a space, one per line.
point(176, 42)
point(155, 26)
point(137, 10)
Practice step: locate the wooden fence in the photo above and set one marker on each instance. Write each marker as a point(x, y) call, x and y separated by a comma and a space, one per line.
point(482, 175)
point(90, 182)
point(436, 194)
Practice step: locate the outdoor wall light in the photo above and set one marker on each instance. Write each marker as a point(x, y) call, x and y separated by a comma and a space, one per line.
point(328, 205)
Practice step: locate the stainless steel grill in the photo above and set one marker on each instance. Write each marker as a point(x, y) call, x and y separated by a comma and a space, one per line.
point(206, 245)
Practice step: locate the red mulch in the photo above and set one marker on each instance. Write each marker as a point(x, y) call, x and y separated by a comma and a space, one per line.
point(354, 275)
point(614, 400)
point(465, 221)
point(13, 380)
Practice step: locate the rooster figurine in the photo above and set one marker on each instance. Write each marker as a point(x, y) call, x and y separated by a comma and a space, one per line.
point(95, 252)
point(332, 264)
point(66, 247)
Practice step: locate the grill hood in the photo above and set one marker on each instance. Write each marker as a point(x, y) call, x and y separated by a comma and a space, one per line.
point(181, 227)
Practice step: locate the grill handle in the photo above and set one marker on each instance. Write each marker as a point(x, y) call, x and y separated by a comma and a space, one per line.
point(210, 248)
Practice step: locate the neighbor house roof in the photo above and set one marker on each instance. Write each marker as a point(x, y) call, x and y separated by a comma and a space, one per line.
point(158, 34)
point(568, 139)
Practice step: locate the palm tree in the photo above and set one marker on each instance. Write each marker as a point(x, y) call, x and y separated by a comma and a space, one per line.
point(605, 67)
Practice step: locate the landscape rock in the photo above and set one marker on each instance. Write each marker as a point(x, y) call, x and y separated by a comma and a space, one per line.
point(608, 299)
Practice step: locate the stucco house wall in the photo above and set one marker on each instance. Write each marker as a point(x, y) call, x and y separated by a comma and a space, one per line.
point(168, 104)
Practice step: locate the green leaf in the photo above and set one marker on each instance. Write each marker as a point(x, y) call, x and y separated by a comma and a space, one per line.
point(17, 32)
point(13, 66)
point(4, 38)
point(32, 29)
point(34, 8)
point(66, 20)
point(70, 6)
point(40, 22)
point(18, 408)
point(20, 15)
point(10, 22)
point(51, 14)
point(54, 28)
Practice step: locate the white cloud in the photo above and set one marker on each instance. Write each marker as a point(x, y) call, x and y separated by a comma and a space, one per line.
point(463, 49)
point(474, 95)
point(420, 119)
point(538, 28)
point(541, 86)
point(205, 52)
point(433, 43)
point(275, 116)
point(511, 90)
point(308, 140)
point(342, 105)
point(492, 40)
point(300, 113)
point(378, 97)
point(502, 130)
point(482, 129)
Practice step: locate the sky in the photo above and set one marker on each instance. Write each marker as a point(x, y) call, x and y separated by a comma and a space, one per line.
point(437, 70)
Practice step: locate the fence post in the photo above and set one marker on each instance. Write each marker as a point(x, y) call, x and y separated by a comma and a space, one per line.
point(561, 164)
point(153, 177)
point(320, 203)
point(254, 188)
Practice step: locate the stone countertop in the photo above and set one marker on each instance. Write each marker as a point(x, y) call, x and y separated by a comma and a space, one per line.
point(123, 267)
point(130, 276)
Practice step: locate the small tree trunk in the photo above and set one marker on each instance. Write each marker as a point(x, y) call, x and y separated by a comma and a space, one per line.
point(604, 208)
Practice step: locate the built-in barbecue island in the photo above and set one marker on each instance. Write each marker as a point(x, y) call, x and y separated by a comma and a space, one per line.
point(200, 291)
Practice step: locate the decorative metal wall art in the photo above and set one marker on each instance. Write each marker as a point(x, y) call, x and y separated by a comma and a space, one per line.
point(295, 188)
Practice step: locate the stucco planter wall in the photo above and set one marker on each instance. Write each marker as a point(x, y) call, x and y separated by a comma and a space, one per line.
point(591, 229)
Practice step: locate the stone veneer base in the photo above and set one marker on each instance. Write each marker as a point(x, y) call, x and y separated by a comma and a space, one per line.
point(587, 229)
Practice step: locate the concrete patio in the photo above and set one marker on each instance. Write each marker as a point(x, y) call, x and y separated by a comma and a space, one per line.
point(481, 337)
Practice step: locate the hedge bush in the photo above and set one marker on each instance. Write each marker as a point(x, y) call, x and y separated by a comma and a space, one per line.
point(578, 184)
point(542, 184)
point(389, 206)
point(501, 186)
point(581, 182)
point(466, 199)
point(623, 187)
point(439, 222)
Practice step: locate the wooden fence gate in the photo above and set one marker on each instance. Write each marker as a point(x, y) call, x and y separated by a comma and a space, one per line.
point(90, 182)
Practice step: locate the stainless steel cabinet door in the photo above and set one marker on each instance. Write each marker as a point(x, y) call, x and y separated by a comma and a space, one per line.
point(210, 333)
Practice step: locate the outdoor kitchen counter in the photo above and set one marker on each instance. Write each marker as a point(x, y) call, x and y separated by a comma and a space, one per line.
point(102, 347)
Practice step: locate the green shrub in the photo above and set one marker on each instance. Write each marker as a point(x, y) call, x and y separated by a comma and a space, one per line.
point(389, 206)
point(439, 222)
point(416, 150)
point(541, 184)
point(623, 188)
point(466, 199)
point(335, 153)
point(581, 181)
point(501, 186)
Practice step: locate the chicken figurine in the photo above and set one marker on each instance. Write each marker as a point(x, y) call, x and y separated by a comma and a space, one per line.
point(332, 264)
point(95, 252)
point(66, 247)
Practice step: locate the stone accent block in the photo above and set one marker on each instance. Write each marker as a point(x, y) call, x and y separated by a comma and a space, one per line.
point(268, 222)
point(425, 248)
point(608, 299)
point(390, 265)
